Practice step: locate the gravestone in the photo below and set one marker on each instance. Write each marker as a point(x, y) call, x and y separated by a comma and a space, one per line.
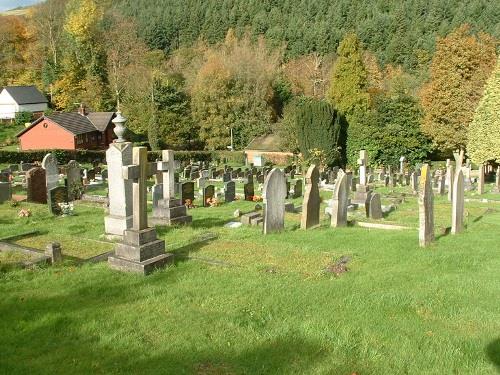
point(5, 192)
point(339, 201)
point(208, 195)
point(297, 188)
point(362, 162)
point(497, 180)
point(414, 182)
point(374, 207)
point(119, 218)
point(457, 204)
point(141, 251)
point(156, 194)
point(187, 191)
point(53, 251)
point(201, 182)
point(274, 194)
point(226, 177)
point(229, 191)
point(56, 196)
point(249, 191)
point(36, 185)
point(91, 175)
point(441, 184)
point(49, 163)
point(362, 189)
point(426, 207)
point(311, 203)
point(402, 165)
point(187, 172)
point(74, 180)
point(168, 209)
point(480, 181)
point(450, 174)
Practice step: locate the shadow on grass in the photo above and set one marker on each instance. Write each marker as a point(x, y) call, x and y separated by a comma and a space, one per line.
point(493, 352)
point(444, 233)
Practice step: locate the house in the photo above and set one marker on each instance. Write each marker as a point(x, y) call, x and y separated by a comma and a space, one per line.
point(69, 131)
point(266, 148)
point(15, 99)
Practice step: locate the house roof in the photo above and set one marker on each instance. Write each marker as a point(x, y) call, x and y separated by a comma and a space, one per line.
point(26, 94)
point(268, 142)
point(75, 123)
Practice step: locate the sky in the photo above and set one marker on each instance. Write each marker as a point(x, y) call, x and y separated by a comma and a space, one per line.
point(11, 4)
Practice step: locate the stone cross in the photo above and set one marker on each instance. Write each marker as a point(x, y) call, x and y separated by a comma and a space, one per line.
point(426, 207)
point(362, 162)
point(139, 172)
point(167, 169)
point(457, 210)
point(310, 207)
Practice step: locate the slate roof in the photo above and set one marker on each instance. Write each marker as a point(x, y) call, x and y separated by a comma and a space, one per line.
point(268, 142)
point(26, 94)
point(75, 123)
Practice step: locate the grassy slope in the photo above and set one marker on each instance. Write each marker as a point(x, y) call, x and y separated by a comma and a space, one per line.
point(263, 305)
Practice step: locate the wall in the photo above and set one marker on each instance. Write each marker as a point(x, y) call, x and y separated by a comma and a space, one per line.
point(40, 107)
point(8, 107)
point(277, 158)
point(47, 135)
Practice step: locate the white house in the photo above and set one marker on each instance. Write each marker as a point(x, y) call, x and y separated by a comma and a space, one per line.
point(14, 99)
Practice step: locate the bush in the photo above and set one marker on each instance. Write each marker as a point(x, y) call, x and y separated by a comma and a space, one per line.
point(23, 118)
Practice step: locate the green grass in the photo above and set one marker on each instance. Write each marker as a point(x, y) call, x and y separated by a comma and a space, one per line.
point(8, 135)
point(244, 303)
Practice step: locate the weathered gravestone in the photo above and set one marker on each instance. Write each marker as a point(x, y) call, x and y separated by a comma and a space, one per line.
point(36, 185)
point(208, 195)
point(187, 191)
point(74, 180)
point(426, 207)
point(141, 251)
point(339, 201)
point(156, 194)
point(229, 191)
point(297, 188)
point(374, 207)
point(226, 177)
point(201, 182)
point(450, 174)
point(249, 191)
point(57, 196)
point(5, 192)
point(274, 194)
point(311, 203)
point(362, 189)
point(457, 204)
point(480, 181)
point(168, 209)
point(414, 182)
point(49, 163)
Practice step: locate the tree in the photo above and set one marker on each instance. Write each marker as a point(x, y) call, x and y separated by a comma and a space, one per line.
point(459, 69)
point(483, 140)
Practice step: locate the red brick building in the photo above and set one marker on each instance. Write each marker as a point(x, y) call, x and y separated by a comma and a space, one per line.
point(69, 131)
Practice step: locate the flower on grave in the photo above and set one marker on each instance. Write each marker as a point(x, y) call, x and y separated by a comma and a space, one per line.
point(24, 212)
point(213, 202)
point(188, 203)
point(257, 198)
point(14, 203)
point(66, 208)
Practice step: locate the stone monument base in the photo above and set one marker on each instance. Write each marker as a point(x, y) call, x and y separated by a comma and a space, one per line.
point(115, 225)
point(361, 194)
point(141, 251)
point(169, 212)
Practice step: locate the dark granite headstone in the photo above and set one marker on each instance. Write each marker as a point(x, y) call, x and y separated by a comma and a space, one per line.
point(56, 196)
point(249, 191)
point(229, 191)
point(36, 186)
point(208, 194)
point(187, 191)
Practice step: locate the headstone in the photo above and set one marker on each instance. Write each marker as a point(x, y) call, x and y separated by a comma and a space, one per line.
point(49, 163)
point(36, 185)
point(297, 189)
point(402, 164)
point(362, 162)
point(91, 174)
point(156, 194)
point(119, 218)
point(249, 191)
point(480, 181)
point(497, 180)
point(53, 251)
point(187, 191)
point(140, 250)
point(201, 182)
point(229, 191)
point(426, 207)
point(441, 184)
point(74, 180)
point(57, 196)
point(457, 204)
point(374, 209)
point(274, 194)
point(208, 195)
point(340, 201)
point(450, 174)
point(104, 175)
point(414, 182)
point(5, 192)
point(226, 177)
point(187, 172)
point(311, 203)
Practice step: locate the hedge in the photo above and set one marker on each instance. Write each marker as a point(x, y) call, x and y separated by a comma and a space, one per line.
point(88, 156)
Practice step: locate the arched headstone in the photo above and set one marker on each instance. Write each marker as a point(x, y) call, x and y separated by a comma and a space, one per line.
point(310, 206)
point(274, 195)
point(339, 201)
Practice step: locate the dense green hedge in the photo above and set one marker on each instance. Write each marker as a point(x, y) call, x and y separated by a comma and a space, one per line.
point(88, 156)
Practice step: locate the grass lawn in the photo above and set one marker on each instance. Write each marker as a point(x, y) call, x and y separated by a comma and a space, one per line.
point(238, 302)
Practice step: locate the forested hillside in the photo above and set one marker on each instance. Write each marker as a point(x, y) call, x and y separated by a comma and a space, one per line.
point(398, 32)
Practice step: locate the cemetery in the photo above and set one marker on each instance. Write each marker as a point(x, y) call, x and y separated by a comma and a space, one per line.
point(237, 267)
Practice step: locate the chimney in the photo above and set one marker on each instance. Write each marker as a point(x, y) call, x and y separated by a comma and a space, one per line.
point(82, 110)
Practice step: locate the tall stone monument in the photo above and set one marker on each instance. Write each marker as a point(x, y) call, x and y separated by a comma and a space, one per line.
point(340, 201)
point(118, 155)
point(169, 210)
point(310, 206)
point(480, 181)
point(362, 189)
point(457, 205)
point(274, 195)
point(141, 251)
point(426, 207)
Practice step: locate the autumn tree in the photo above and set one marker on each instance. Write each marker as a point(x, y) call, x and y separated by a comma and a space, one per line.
point(459, 69)
point(483, 140)
point(14, 39)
